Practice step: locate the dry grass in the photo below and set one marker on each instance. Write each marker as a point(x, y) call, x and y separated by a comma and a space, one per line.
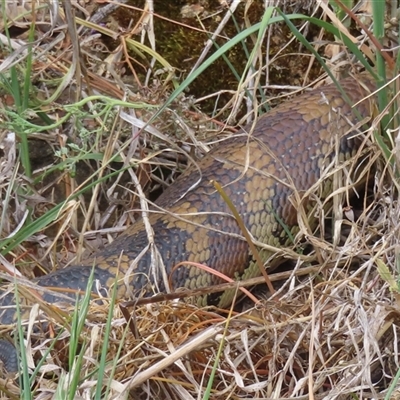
point(331, 330)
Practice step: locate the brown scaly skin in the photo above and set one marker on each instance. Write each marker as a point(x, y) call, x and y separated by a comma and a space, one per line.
point(286, 150)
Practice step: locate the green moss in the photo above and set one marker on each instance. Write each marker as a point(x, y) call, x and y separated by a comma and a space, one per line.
point(181, 46)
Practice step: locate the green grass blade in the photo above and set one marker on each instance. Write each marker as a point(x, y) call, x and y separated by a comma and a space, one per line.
point(104, 349)
point(24, 371)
